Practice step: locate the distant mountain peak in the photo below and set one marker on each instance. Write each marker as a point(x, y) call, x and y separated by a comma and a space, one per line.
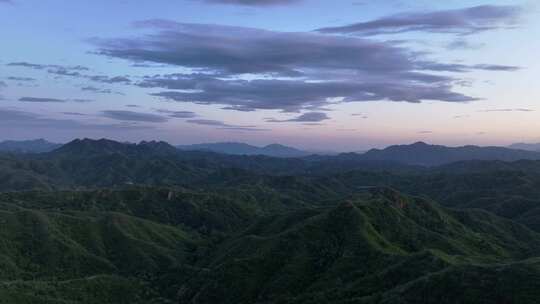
point(526, 146)
point(421, 153)
point(39, 145)
point(235, 148)
point(106, 146)
point(420, 144)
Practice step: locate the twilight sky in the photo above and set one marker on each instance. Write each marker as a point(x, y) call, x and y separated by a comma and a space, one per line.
point(330, 75)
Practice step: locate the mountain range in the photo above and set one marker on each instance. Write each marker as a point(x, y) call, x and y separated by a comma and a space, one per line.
point(524, 146)
point(28, 146)
point(273, 150)
point(424, 154)
point(417, 154)
point(100, 221)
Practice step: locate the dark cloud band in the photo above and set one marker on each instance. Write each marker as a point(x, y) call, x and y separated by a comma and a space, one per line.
point(133, 116)
point(461, 21)
point(309, 117)
point(40, 99)
point(223, 125)
point(287, 71)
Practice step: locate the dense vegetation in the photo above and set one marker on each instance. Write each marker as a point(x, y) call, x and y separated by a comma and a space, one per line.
point(106, 222)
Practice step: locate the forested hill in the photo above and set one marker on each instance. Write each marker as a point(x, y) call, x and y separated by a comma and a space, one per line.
point(424, 154)
point(159, 245)
point(109, 222)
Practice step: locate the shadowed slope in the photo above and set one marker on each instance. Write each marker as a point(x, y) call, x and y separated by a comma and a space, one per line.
point(359, 249)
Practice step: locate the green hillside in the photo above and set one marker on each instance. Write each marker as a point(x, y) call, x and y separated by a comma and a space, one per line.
point(106, 222)
point(67, 255)
point(369, 249)
point(166, 245)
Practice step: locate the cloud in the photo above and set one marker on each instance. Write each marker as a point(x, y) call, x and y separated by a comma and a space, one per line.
point(244, 129)
point(238, 50)
point(74, 113)
point(507, 110)
point(21, 79)
point(19, 120)
point(459, 21)
point(361, 115)
point(64, 72)
point(133, 116)
point(238, 108)
point(182, 114)
point(223, 125)
point(495, 67)
point(462, 44)
point(77, 71)
point(253, 2)
point(177, 114)
point(297, 95)
point(50, 67)
point(306, 117)
point(96, 90)
point(247, 69)
point(47, 99)
point(40, 99)
point(110, 80)
point(461, 68)
point(208, 122)
point(2, 85)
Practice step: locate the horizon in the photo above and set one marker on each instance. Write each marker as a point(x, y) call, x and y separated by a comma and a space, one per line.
point(307, 74)
point(315, 151)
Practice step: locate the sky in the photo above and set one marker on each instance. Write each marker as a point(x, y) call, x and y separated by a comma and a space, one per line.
point(342, 75)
